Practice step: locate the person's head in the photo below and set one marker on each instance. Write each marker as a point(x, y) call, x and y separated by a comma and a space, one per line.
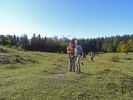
point(75, 41)
point(70, 44)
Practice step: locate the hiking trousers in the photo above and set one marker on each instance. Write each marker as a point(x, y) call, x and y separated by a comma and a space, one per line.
point(71, 66)
point(77, 63)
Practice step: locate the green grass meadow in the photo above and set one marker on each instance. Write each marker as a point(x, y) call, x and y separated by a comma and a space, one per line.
point(44, 76)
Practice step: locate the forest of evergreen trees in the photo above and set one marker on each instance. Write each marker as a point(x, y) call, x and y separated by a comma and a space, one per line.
point(37, 43)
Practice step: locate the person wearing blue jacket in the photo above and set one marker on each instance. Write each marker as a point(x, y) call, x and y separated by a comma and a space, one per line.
point(78, 55)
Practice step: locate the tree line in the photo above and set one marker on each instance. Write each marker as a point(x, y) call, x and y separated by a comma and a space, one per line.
point(38, 43)
point(108, 44)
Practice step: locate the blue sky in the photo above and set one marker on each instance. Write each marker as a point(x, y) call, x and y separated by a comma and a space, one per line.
point(72, 18)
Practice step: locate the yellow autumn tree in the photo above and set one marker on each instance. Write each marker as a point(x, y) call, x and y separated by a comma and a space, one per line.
point(125, 47)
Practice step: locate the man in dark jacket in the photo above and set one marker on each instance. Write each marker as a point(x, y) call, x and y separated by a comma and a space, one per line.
point(78, 54)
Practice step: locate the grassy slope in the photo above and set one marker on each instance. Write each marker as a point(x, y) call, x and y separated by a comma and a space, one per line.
point(49, 79)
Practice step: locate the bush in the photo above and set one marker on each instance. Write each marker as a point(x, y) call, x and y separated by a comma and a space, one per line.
point(115, 59)
point(3, 50)
point(127, 58)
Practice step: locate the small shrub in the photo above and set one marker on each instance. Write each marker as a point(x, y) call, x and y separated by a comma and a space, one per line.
point(3, 50)
point(127, 58)
point(115, 59)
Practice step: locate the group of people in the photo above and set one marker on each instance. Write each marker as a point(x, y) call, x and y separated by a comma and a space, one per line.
point(75, 52)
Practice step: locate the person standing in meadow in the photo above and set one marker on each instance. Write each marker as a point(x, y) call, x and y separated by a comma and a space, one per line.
point(78, 54)
point(71, 52)
point(92, 55)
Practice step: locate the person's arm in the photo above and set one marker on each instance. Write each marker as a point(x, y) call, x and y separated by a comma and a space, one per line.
point(68, 51)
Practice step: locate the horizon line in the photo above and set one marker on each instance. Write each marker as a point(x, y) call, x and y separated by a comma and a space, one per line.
point(62, 35)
